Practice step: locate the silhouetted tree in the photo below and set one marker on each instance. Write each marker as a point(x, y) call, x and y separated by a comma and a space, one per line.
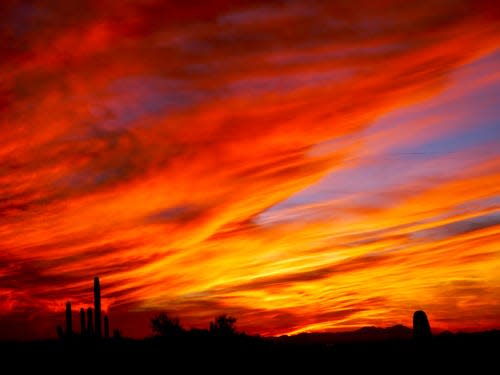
point(165, 326)
point(421, 326)
point(223, 325)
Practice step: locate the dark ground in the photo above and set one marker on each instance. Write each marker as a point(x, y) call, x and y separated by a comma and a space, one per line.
point(309, 353)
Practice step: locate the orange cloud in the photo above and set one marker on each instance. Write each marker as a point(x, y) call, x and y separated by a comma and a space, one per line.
point(153, 144)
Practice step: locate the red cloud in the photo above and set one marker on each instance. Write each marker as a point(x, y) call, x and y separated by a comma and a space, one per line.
point(112, 116)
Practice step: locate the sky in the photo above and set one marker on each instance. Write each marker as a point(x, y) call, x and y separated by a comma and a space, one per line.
point(302, 166)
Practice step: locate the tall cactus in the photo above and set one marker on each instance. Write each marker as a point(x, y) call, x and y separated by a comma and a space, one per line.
point(421, 326)
point(82, 321)
point(106, 327)
point(90, 324)
point(69, 322)
point(60, 332)
point(97, 307)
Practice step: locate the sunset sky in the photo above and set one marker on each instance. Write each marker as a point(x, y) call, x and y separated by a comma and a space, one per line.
point(300, 165)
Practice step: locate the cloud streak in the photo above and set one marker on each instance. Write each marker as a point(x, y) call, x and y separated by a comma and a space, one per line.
point(308, 165)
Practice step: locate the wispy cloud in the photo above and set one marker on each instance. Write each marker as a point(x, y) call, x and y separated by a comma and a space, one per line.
point(314, 165)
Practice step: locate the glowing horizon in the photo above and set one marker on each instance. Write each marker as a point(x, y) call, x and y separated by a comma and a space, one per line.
point(303, 168)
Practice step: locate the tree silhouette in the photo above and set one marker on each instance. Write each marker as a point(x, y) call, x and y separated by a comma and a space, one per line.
point(223, 325)
point(165, 326)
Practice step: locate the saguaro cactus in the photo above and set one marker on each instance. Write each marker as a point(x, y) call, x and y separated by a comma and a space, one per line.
point(69, 322)
point(421, 326)
point(82, 321)
point(97, 307)
point(106, 327)
point(60, 332)
point(90, 324)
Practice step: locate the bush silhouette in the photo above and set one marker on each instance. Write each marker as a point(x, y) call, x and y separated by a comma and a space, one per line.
point(165, 326)
point(223, 325)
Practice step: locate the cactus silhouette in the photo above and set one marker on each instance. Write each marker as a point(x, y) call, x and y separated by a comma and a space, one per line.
point(117, 334)
point(90, 324)
point(69, 322)
point(82, 321)
point(90, 327)
point(421, 326)
point(60, 332)
point(106, 327)
point(97, 307)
